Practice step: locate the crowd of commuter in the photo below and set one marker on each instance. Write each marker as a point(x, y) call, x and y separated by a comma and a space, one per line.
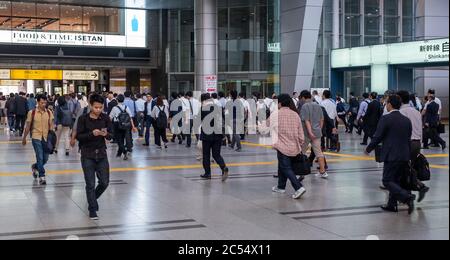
point(398, 125)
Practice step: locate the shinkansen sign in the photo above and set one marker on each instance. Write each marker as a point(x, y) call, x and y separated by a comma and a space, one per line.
point(24, 37)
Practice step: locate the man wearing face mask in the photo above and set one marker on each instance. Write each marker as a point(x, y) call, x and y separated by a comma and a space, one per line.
point(394, 132)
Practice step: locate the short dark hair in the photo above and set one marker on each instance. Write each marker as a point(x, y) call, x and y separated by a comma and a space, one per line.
point(327, 94)
point(432, 92)
point(366, 95)
point(160, 101)
point(205, 97)
point(395, 101)
point(374, 95)
point(189, 94)
point(221, 94)
point(127, 94)
point(233, 94)
point(214, 95)
point(120, 98)
point(305, 94)
point(285, 100)
point(405, 96)
point(96, 98)
point(41, 97)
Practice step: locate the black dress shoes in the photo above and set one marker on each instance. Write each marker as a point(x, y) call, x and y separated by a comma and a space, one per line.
point(422, 193)
point(410, 203)
point(388, 208)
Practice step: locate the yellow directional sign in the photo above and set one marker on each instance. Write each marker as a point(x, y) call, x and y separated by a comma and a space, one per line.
point(36, 74)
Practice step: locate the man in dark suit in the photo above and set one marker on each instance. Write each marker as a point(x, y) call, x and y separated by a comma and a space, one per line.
point(21, 110)
point(394, 131)
point(353, 112)
point(432, 119)
point(372, 117)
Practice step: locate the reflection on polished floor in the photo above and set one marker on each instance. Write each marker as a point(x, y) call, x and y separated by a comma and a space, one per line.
point(159, 195)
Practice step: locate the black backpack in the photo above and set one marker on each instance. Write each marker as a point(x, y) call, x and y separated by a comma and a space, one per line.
point(65, 117)
point(161, 121)
point(124, 119)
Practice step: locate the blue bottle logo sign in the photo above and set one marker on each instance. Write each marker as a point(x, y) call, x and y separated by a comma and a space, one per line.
point(135, 24)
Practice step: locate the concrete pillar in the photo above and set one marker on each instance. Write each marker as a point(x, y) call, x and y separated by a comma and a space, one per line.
point(205, 43)
point(336, 23)
point(300, 25)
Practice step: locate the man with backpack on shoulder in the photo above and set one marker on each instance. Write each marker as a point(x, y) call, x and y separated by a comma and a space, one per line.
point(123, 126)
point(39, 123)
point(63, 121)
point(160, 116)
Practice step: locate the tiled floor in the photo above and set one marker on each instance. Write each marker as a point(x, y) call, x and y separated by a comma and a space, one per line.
point(158, 195)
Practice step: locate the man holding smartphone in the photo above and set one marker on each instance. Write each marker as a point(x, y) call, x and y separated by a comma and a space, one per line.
point(93, 129)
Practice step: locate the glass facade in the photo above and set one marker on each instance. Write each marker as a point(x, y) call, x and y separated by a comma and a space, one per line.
point(362, 22)
point(40, 17)
point(248, 46)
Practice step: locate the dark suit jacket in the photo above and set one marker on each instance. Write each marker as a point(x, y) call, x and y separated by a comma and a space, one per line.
point(373, 114)
point(394, 131)
point(215, 124)
point(432, 114)
point(21, 105)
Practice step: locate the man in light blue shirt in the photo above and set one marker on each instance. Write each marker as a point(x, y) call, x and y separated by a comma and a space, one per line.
point(362, 111)
point(140, 117)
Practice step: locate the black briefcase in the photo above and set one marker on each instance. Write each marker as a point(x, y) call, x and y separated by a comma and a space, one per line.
point(378, 152)
point(301, 165)
point(441, 128)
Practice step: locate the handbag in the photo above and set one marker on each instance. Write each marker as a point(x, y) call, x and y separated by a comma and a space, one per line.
point(50, 145)
point(301, 165)
point(422, 167)
point(408, 179)
point(378, 152)
point(441, 128)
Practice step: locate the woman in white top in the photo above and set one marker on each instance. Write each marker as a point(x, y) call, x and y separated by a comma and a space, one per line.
point(160, 114)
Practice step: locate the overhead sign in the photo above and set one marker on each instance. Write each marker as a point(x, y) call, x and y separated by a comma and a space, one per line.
point(211, 83)
point(36, 74)
point(5, 74)
point(431, 51)
point(11, 83)
point(80, 75)
point(135, 35)
point(274, 47)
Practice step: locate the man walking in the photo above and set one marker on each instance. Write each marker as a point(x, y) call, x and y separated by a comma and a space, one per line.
point(394, 131)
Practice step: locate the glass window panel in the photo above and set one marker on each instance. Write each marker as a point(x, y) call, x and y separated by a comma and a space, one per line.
point(72, 19)
point(352, 7)
point(5, 15)
point(391, 8)
point(408, 27)
point(352, 24)
point(23, 16)
point(391, 26)
point(372, 26)
point(370, 40)
point(113, 18)
point(372, 7)
point(94, 20)
point(48, 17)
point(408, 8)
